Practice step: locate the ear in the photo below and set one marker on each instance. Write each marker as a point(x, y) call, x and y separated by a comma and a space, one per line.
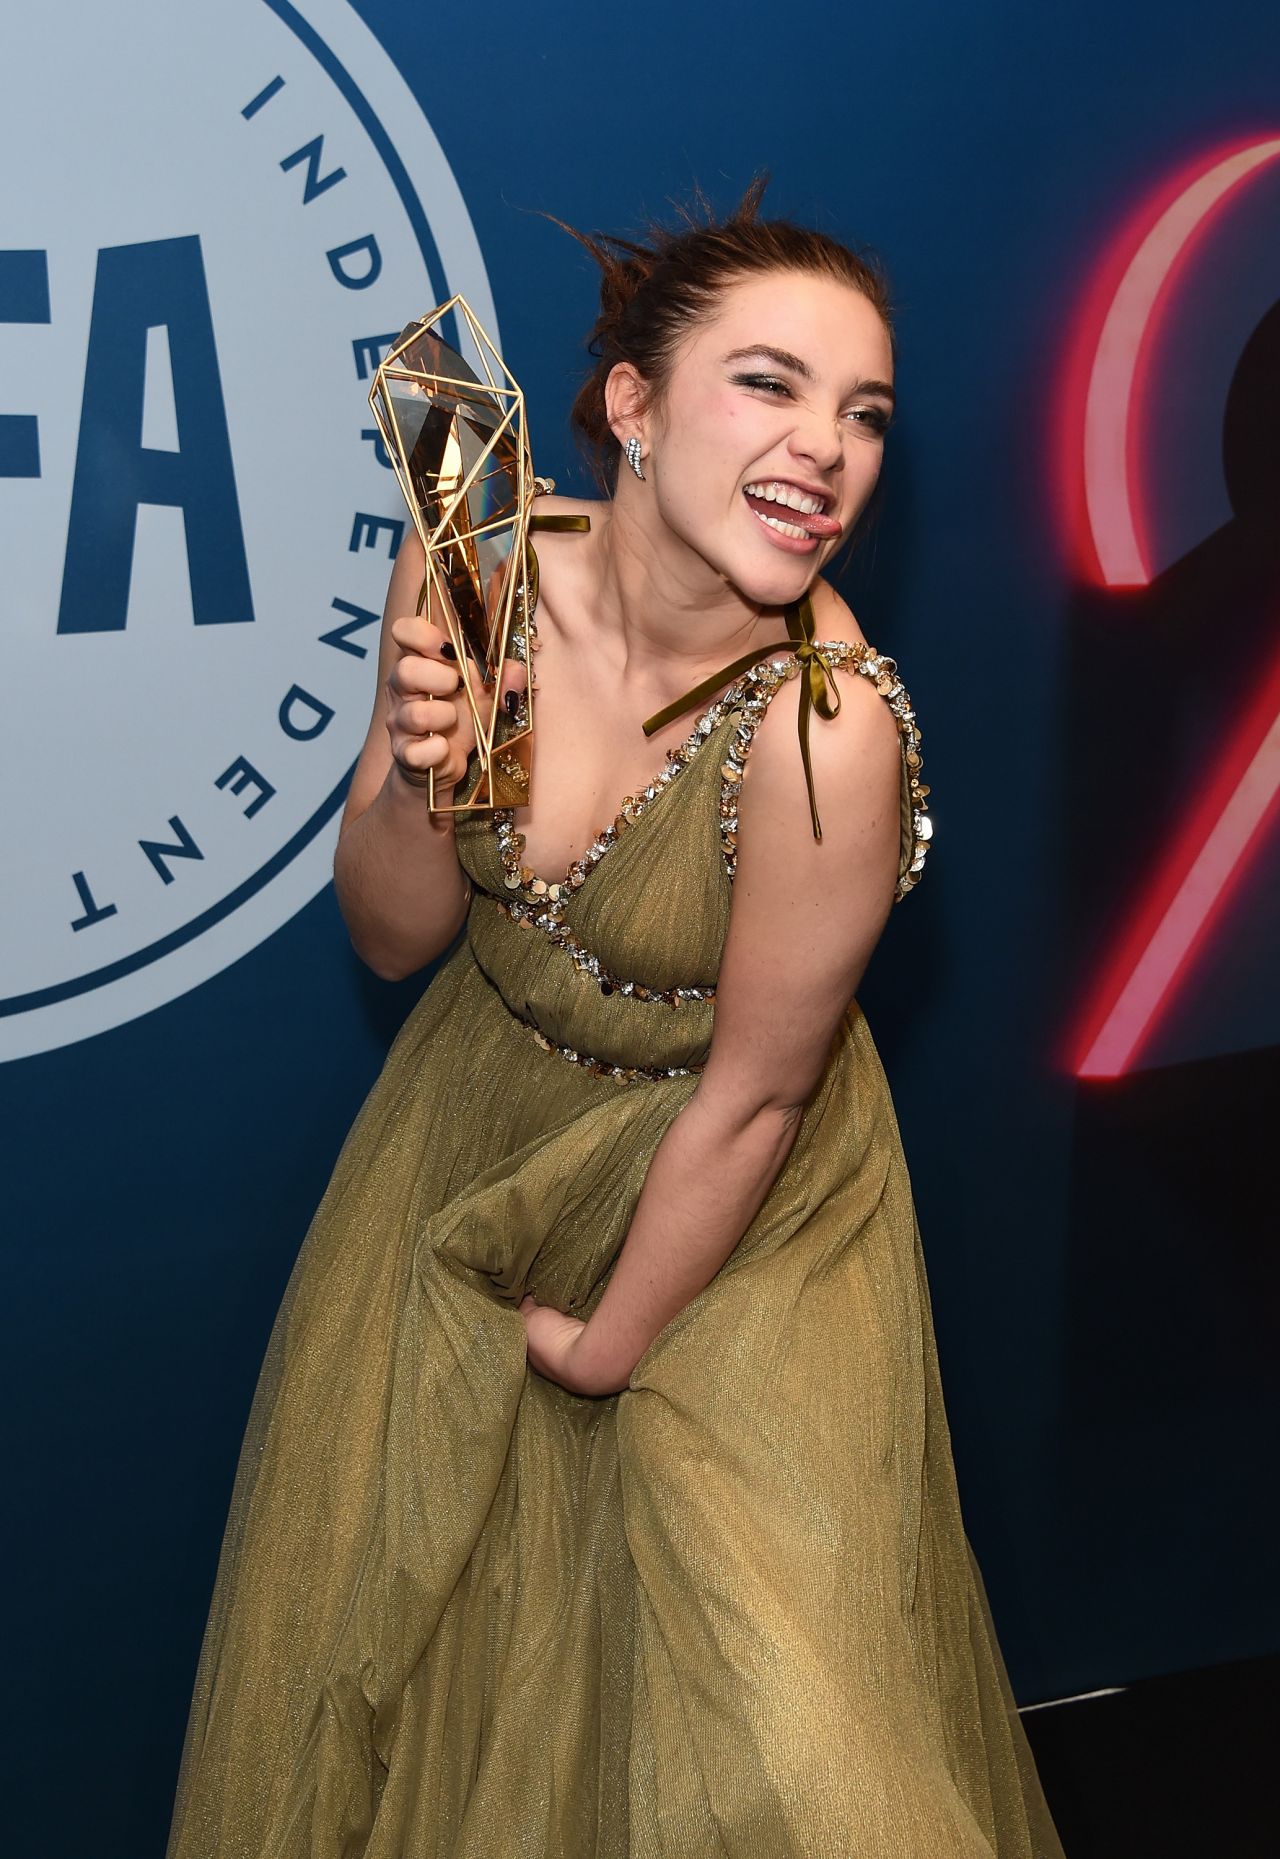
point(624, 401)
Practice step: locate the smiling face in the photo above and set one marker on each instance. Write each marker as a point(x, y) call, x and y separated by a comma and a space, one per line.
point(770, 436)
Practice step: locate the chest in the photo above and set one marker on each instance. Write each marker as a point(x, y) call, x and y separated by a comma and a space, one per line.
point(590, 753)
point(648, 904)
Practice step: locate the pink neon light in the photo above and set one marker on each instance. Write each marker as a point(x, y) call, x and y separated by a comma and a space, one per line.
point(1190, 893)
point(1112, 490)
point(1210, 854)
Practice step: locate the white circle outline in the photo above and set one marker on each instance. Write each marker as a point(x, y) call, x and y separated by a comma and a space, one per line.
point(199, 957)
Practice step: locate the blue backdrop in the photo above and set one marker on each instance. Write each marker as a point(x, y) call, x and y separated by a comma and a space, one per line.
point(1077, 1011)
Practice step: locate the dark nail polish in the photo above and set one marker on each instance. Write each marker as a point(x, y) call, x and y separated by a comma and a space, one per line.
point(512, 701)
point(447, 649)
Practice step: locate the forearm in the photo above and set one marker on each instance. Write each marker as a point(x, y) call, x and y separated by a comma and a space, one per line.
point(401, 891)
point(707, 1181)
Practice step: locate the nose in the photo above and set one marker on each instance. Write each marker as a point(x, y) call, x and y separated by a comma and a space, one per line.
point(819, 440)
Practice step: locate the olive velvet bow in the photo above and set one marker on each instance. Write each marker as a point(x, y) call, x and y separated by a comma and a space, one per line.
point(817, 690)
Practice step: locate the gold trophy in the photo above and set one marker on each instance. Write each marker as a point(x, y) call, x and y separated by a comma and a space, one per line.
point(457, 441)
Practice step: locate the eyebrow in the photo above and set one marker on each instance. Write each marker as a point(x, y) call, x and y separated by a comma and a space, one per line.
point(785, 359)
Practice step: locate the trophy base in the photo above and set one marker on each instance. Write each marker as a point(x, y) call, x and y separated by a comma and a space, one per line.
point(500, 779)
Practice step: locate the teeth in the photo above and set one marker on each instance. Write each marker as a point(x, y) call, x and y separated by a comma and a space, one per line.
point(787, 529)
point(778, 492)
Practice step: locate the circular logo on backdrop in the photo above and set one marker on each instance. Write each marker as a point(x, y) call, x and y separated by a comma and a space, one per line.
point(225, 217)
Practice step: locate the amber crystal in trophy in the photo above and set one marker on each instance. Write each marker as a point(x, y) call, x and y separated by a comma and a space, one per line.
point(455, 433)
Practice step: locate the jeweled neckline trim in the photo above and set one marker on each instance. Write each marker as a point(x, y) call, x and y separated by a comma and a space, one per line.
point(517, 876)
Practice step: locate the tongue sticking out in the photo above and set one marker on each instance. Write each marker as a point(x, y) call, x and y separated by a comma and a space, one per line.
point(816, 524)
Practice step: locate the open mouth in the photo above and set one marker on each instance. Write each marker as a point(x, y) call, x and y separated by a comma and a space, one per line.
point(791, 511)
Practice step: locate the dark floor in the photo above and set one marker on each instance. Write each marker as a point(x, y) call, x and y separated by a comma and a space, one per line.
point(1178, 1767)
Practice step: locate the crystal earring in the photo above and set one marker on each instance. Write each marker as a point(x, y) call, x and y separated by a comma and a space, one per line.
point(632, 450)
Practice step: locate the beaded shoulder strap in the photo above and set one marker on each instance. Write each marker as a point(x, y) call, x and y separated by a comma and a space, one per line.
point(745, 703)
point(817, 691)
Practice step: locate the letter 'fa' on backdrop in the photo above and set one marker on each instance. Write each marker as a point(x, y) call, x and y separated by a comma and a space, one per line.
point(199, 274)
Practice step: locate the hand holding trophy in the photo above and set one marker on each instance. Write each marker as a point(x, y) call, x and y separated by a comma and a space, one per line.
point(458, 443)
point(431, 729)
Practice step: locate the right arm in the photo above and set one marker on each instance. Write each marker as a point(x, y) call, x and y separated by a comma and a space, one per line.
point(401, 891)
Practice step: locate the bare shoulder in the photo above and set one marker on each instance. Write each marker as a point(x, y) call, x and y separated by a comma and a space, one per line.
point(551, 503)
point(832, 616)
point(565, 557)
point(568, 542)
point(855, 751)
point(806, 912)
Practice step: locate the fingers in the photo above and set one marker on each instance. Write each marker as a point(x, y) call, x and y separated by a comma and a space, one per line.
point(423, 716)
point(513, 677)
point(422, 677)
point(426, 666)
point(415, 633)
point(422, 752)
point(512, 680)
point(430, 714)
point(428, 722)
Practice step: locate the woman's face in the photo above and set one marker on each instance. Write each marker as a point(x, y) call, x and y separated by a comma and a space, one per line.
point(770, 438)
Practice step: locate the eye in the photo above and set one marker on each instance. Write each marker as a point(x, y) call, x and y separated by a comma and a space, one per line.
point(874, 419)
point(769, 382)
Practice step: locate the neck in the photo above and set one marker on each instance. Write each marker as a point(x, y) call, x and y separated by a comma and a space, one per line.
point(659, 603)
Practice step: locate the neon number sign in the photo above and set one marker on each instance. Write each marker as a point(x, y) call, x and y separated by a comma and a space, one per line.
point(1103, 401)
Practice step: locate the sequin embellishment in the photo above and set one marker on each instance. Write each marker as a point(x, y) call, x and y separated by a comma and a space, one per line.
point(744, 701)
point(519, 877)
point(541, 902)
point(759, 684)
point(625, 1074)
point(528, 916)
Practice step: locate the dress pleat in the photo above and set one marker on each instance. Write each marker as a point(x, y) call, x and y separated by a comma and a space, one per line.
point(728, 1613)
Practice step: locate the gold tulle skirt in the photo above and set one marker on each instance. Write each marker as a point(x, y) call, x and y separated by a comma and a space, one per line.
point(729, 1613)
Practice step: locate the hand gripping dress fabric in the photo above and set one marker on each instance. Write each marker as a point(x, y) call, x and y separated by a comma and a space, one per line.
point(728, 1613)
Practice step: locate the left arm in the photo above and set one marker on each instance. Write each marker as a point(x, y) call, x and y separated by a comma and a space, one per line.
point(804, 921)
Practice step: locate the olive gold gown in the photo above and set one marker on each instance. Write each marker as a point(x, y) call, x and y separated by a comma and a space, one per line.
point(728, 1613)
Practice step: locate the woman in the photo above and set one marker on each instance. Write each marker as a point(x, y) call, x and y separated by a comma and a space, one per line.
point(597, 1497)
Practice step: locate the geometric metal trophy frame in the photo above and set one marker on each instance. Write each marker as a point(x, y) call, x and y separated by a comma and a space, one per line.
point(457, 439)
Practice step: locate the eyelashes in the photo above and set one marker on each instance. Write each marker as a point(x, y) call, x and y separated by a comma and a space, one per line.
point(877, 420)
